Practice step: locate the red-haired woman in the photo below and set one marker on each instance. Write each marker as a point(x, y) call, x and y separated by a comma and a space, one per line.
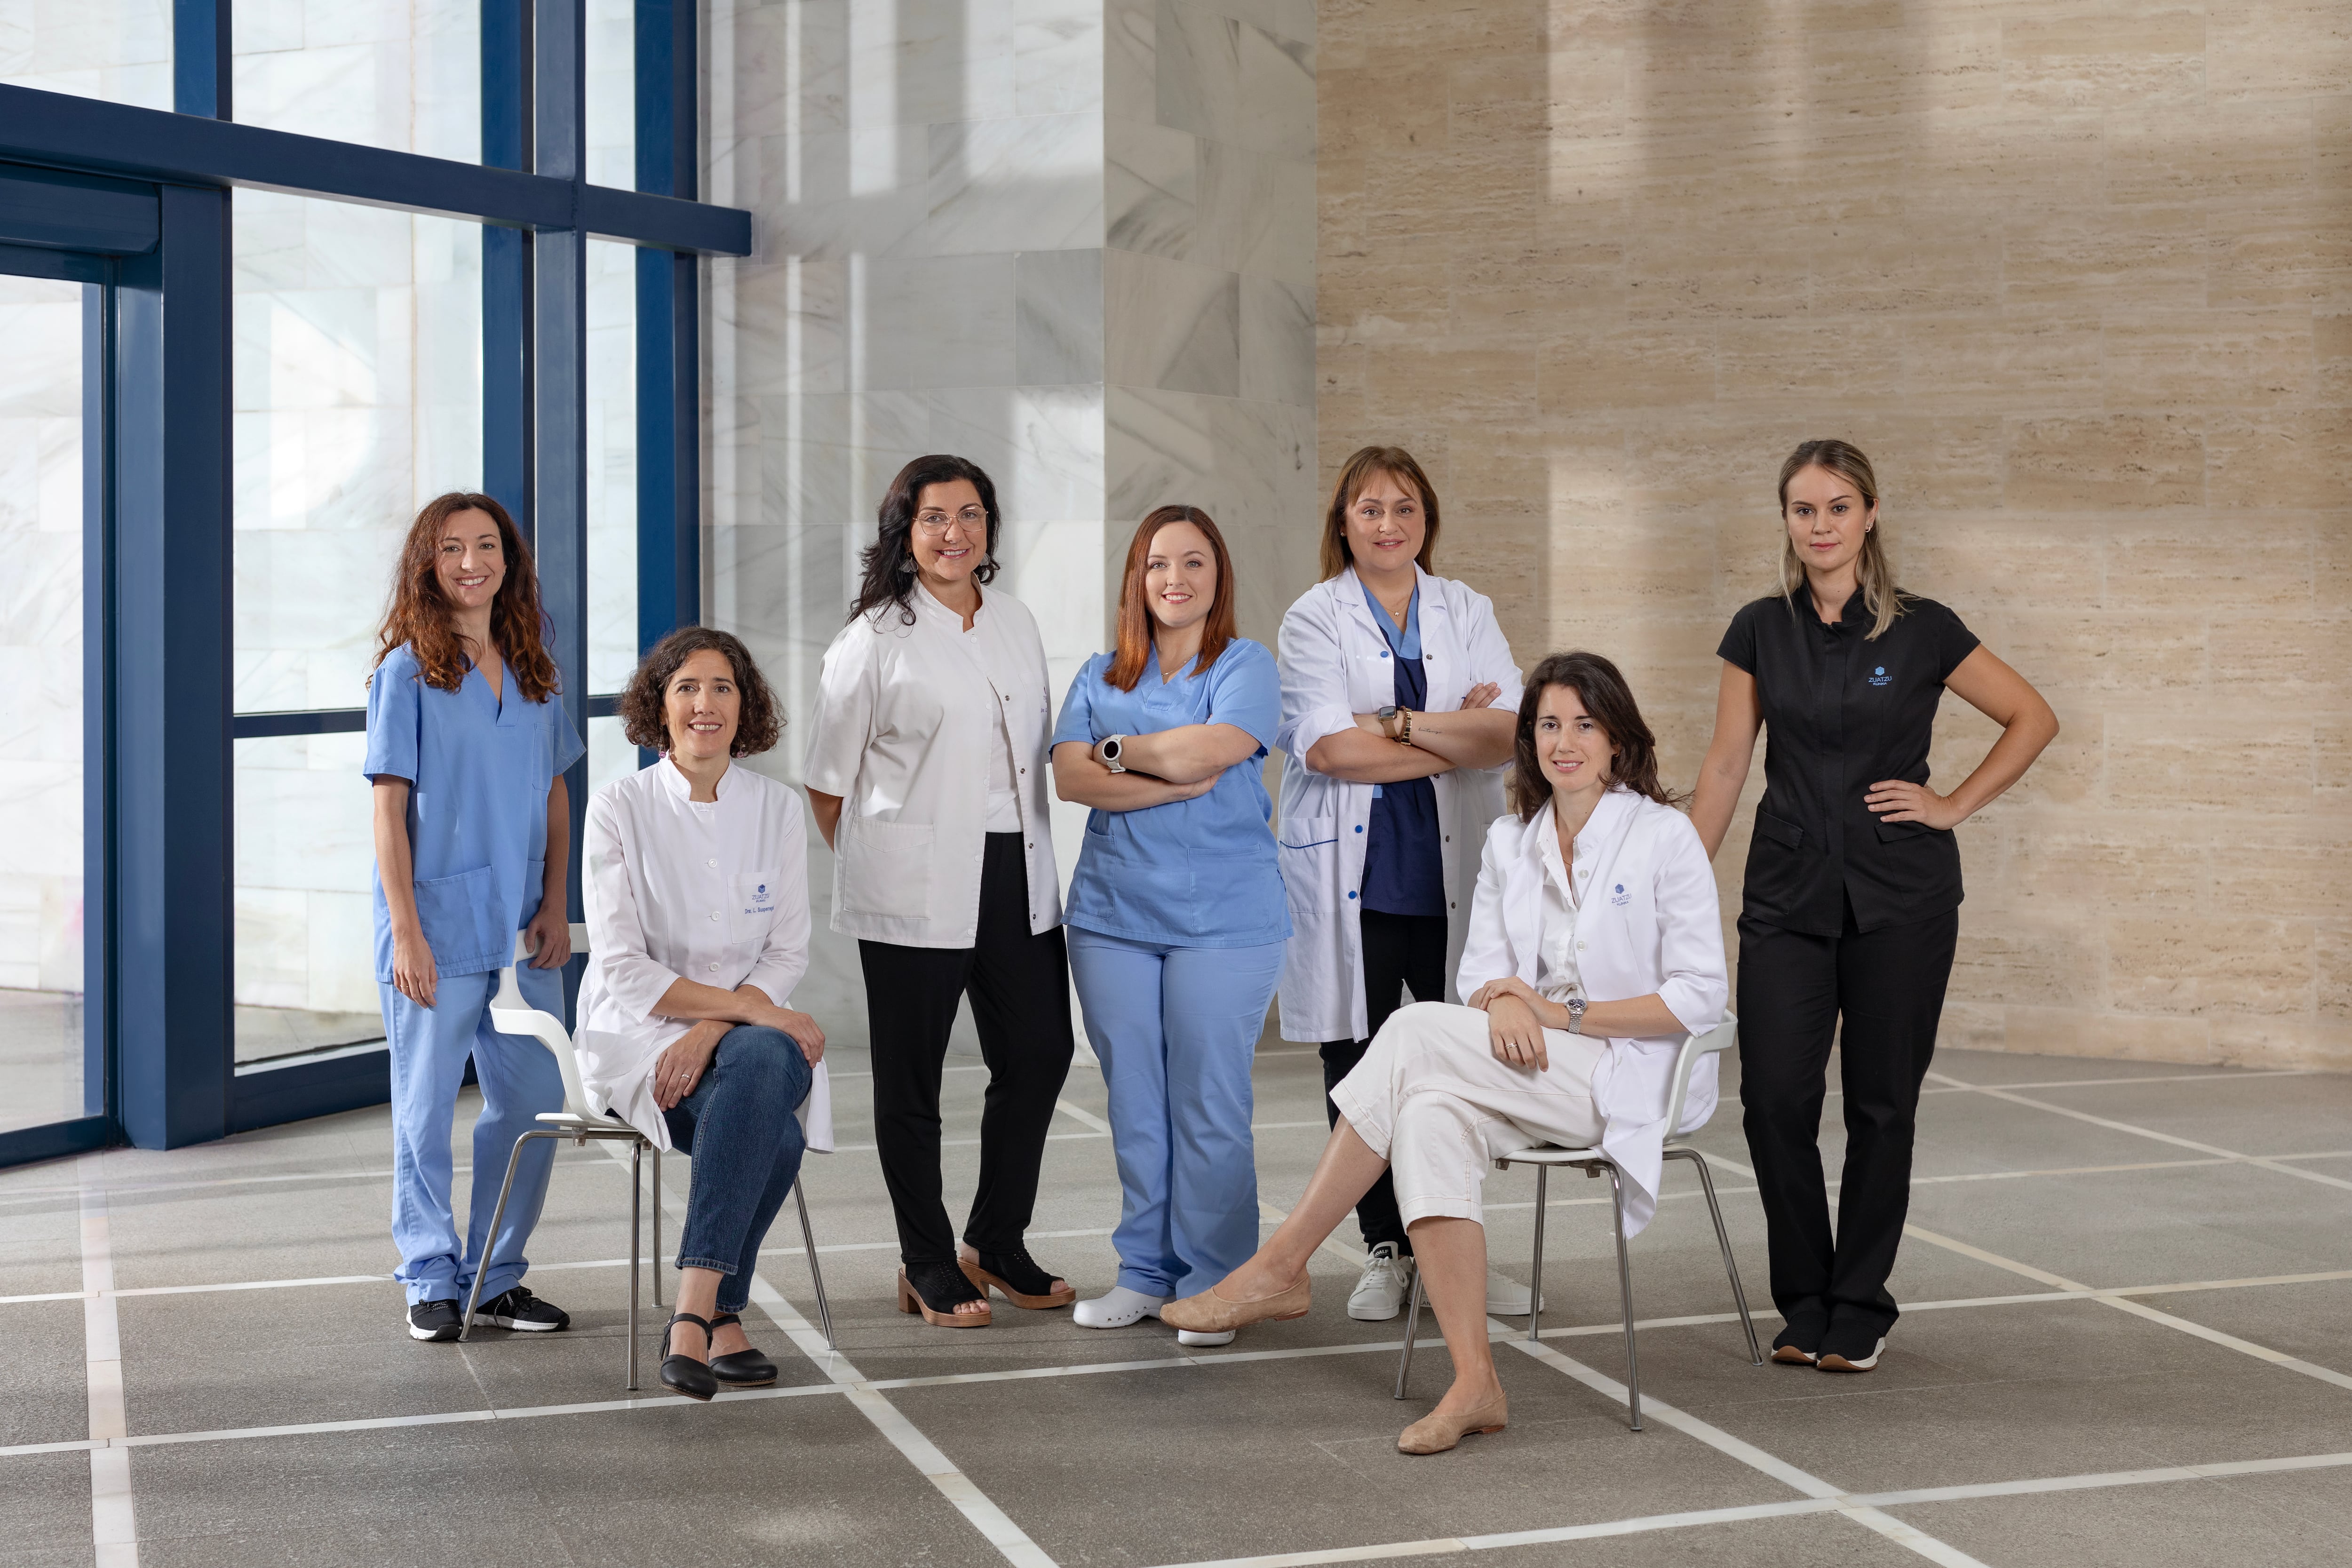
point(1176, 917)
point(466, 750)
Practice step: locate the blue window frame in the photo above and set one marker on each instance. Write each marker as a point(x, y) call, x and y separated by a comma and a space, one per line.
point(134, 204)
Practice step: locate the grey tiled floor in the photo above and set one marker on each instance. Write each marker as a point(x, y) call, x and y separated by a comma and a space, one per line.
point(2019, 1418)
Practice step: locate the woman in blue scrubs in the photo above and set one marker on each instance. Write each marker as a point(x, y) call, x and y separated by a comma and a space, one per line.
point(1176, 916)
point(466, 752)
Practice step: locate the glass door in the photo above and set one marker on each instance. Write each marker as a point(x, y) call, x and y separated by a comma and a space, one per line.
point(52, 1077)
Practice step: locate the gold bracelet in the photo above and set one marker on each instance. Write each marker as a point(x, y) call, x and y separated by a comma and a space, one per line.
point(1404, 725)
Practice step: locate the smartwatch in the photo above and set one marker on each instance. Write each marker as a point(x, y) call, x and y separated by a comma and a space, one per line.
point(1575, 1006)
point(1108, 751)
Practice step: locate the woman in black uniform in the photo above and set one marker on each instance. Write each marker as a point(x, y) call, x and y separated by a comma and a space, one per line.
point(1851, 904)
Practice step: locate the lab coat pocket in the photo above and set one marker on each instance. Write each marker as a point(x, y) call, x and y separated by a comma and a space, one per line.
point(753, 905)
point(460, 920)
point(885, 868)
point(1773, 827)
point(1309, 849)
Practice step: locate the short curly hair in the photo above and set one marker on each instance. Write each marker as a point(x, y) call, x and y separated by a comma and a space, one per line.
point(757, 727)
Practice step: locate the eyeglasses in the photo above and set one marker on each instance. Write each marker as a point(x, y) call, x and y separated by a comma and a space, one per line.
point(971, 519)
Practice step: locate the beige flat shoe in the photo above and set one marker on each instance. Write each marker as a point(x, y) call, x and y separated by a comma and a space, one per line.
point(1435, 1434)
point(1210, 1313)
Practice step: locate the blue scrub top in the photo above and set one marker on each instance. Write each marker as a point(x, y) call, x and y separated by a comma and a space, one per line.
point(1404, 867)
point(1191, 873)
point(478, 770)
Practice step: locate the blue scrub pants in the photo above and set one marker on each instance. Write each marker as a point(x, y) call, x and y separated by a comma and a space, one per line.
point(519, 1080)
point(1176, 1029)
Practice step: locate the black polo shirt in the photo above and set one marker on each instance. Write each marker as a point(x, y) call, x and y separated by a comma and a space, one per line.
point(1841, 712)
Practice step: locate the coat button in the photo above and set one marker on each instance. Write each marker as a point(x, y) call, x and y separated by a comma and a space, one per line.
point(712, 864)
point(1351, 893)
point(714, 914)
point(714, 969)
point(1359, 828)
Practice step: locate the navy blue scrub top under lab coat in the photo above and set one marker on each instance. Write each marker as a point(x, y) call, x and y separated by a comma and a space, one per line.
point(1840, 712)
point(478, 769)
point(1405, 869)
point(1191, 873)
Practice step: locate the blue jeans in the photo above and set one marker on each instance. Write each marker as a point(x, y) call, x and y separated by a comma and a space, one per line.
point(739, 1127)
point(518, 1079)
point(1176, 1029)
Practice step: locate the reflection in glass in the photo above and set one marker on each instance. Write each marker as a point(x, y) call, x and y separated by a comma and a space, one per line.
point(41, 971)
point(305, 954)
point(612, 465)
point(610, 107)
point(118, 50)
point(400, 74)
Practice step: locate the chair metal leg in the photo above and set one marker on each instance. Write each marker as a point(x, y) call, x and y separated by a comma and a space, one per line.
point(637, 1236)
point(1412, 1328)
point(657, 1300)
point(1535, 1287)
point(490, 1237)
point(1625, 1295)
point(1723, 1239)
point(816, 1275)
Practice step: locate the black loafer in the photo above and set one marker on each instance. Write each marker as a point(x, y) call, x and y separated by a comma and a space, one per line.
point(744, 1369)
point(683, 1373)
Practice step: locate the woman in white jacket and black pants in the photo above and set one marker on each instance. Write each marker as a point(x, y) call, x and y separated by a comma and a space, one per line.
point(1595, 945)
point(1397, 697)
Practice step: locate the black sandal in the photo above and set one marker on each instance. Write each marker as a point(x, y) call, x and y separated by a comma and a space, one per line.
point(943, 1286)
point(683, 1373)
point(1017, 1277)
point(741, 1369)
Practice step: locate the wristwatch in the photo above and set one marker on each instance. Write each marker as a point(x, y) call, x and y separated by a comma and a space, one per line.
point(1575, 1006)
point(1108, 751)
point(1388, 718)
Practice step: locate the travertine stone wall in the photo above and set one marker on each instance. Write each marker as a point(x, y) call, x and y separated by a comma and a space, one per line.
point(2078, 277)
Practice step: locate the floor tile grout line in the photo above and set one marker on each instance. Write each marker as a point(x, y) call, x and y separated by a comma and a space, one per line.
point(1998, 1093)
point(979, 1509)
point(1012, 1375)
point(1796, 1507)
point(113, 1514)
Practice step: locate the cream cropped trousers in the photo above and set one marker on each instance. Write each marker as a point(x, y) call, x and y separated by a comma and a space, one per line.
point(1431, 1097)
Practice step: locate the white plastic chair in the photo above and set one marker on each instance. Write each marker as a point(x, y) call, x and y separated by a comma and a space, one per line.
point(1593, 1162)
point(579, 1122)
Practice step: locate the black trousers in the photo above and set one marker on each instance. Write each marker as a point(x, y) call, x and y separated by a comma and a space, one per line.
point(1019, 989)
point(1401, 952)
point(1888, 988)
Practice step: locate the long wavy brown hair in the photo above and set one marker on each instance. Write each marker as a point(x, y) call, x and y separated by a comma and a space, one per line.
point(422, 617)
point(1134, 623)
point(1602, 687)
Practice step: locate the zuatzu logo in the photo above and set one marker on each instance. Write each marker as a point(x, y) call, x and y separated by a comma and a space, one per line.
point(1879, 677)
point(1619, 897)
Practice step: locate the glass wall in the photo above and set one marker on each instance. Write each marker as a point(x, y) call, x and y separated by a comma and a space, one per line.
point(612, 496)
point(358, 397)
point(403, 74)
point(41, 737)
point(119, 50)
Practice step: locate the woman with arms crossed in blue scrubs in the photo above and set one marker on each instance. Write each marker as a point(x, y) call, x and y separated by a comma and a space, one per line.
point(466, 750)
point(1176, 916)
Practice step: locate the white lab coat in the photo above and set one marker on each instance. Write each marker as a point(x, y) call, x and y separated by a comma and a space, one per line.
point(1647, 921)
point(1335, 665)
point(713, 892)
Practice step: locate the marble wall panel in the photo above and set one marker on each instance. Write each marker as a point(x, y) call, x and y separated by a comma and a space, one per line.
point(2077, 280)
point(119, 50)
point(1170, 325)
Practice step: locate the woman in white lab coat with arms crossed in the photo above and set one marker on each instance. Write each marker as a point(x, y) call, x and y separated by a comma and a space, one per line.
point(1399, 701)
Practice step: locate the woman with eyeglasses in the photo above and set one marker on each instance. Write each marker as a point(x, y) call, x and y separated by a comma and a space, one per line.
point(926, 770)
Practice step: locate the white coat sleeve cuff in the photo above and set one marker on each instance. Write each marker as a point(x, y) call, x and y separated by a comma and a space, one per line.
point(636, 982)
point(1313, 725)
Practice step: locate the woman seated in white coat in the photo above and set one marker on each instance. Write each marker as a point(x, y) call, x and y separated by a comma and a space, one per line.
point(696, 888)
point(1595, 945)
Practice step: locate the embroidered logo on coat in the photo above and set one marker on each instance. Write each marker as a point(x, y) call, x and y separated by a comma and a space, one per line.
point(1879, 677)
point(1619, 897)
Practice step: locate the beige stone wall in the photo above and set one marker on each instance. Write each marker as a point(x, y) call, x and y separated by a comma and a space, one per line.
point(2078, 277)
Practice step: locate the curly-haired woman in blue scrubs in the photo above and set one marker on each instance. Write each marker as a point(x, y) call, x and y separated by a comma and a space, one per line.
point(466, 750)
point(1176, 916)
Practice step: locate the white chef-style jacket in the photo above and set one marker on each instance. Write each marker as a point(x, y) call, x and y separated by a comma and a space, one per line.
point(1335, 665)
point(1647, 919)
point(902, 734)
point(712, 891)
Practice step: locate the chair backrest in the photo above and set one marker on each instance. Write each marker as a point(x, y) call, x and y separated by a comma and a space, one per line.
point(1719, 1038)
point(513, 1015)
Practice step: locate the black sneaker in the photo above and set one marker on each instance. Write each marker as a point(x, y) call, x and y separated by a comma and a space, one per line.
point(433, 1321)
point(519, 1309)
point(1800, 1343)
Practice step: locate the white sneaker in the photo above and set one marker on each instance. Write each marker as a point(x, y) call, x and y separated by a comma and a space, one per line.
point(1118, 1307)
point(1507, 1297)
point(1380, 1294)
point(1189, 1337)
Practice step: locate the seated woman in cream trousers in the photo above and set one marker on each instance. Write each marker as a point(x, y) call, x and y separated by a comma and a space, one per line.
point(1595, 944)
point(696, 890)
